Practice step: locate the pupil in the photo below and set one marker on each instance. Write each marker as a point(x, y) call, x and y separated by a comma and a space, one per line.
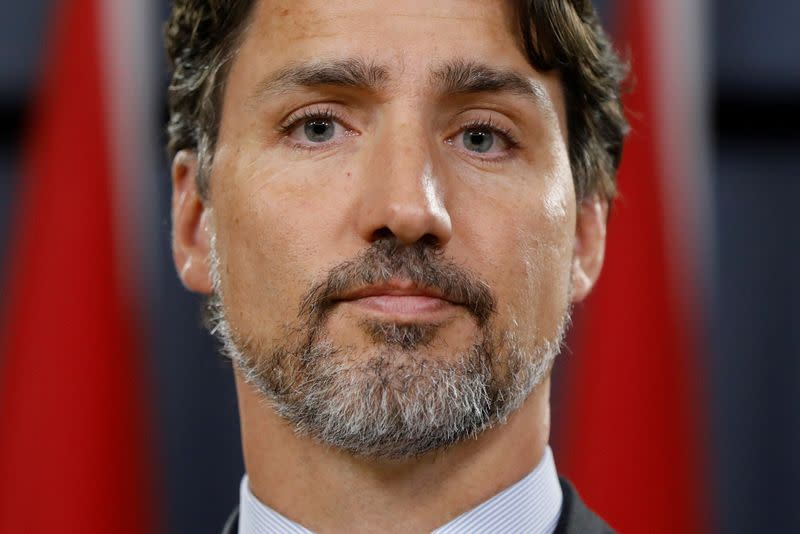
point(478, 141)
point(319, 130)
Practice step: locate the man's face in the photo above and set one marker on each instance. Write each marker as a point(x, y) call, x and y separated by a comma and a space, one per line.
point(391, 193)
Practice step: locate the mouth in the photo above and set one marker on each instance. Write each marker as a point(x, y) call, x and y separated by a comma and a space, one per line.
point(400, 301)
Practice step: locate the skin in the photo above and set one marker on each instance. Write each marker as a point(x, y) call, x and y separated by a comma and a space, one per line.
point(284, 215)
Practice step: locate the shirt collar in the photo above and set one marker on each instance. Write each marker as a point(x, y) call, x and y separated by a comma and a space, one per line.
point(532, 504)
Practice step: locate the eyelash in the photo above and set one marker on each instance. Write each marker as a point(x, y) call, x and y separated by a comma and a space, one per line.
point(326, 113)
point(292, 120)
point(489, 124)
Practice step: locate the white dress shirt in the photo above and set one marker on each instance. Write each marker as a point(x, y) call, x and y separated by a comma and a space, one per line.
point(532, 505)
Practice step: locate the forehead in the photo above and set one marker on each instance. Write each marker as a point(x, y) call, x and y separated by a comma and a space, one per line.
point(407, 37)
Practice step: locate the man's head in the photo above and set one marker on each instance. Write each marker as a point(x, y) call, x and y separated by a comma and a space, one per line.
point(202, 38)
point(399, 201)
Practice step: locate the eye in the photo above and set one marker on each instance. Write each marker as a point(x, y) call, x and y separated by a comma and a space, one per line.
point(478, 140)
point(319, 130)
point(483, 139)
point(314, 128)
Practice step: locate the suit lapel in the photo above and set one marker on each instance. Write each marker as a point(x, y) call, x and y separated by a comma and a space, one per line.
point(232, 524)
point(576, 518)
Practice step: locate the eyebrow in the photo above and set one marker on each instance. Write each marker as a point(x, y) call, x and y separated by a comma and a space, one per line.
point(465, 77)
point(451, 78)
point(352, 72)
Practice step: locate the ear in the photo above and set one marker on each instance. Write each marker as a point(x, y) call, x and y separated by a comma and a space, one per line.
point(590, 245)
point(190, 238)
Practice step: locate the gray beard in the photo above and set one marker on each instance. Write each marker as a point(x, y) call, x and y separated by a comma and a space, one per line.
point(397, 402)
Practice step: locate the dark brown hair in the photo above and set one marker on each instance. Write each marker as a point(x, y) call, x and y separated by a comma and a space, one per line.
point(202, 37)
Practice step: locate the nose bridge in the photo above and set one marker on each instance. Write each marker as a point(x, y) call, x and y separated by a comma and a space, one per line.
point(404, 195)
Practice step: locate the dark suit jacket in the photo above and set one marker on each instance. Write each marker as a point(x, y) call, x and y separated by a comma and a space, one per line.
point(575, 518)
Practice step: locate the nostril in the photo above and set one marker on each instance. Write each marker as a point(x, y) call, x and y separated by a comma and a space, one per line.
point(382, 233)
point(427, 240)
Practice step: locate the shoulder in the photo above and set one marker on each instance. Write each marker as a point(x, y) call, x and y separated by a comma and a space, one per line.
point(576, 517)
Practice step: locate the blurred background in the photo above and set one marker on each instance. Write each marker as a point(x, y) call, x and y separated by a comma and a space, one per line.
point(686, 420)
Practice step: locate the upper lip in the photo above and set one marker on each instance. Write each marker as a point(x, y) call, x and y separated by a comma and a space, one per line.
point(395, 288)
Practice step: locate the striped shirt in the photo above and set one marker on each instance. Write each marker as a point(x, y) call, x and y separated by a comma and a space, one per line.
point(532, 505)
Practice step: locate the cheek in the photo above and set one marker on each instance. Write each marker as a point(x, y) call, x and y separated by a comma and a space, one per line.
point(543, 271)
point(255, 269)
point(531, 259)
point(271, 225)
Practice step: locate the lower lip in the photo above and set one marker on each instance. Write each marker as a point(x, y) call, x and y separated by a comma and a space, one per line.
point(409, 307)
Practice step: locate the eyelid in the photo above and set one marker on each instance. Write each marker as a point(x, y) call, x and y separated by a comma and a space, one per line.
point(321, 111)
point(487, 122)
point(490, 124)
point(315, 111)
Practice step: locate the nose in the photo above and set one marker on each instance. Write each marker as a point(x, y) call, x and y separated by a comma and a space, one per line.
point(403, 196)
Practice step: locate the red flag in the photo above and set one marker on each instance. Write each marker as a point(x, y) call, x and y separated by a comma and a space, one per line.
point(74, 453)
point(632, 442)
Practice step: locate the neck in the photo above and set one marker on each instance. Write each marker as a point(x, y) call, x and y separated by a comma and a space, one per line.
point(324, 488)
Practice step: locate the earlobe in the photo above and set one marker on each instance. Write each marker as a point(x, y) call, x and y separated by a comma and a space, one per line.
point(590, 244)
point(190, 239)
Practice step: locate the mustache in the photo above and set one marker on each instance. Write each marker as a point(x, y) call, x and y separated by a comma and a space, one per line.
point(423, 263)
